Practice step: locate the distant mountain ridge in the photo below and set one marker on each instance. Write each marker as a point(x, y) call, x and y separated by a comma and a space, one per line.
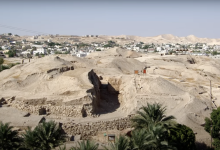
point(169, 38)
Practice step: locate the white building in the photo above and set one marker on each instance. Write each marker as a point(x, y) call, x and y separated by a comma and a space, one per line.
point(40, 51)
point(217, 47)
point(205, 47)
point(136, 48)
point(13, 42)
point(167, 46)
point(81, 54)
point(158, 49)
point(163, 52)
point(192, 46)
point(25, 52)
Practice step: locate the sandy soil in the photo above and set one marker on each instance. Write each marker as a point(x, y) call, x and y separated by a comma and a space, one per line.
point(181, 83)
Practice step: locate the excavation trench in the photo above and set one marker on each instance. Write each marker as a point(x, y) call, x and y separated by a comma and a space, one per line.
point(109, 99)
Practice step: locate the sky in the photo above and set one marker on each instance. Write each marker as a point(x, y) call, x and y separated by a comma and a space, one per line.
point(111, 17)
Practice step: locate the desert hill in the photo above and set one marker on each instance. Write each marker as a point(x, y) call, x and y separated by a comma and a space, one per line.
point(165, 38)
point(124, 39)
point(103, 86)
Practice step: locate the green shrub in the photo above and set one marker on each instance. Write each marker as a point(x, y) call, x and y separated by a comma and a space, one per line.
point(5, 67)
point(182, 137)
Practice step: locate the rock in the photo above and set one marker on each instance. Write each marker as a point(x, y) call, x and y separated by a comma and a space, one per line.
point(5, 105)
point(42, 119)
point(27, 114)
point(77, 137)
point(42, 111)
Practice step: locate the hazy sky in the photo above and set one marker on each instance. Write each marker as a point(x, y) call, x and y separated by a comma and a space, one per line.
point(111, 17)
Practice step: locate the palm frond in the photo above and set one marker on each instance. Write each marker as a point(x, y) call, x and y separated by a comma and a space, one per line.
point(86, 145)
point(9, 139)
point(121, 143)
point(46, 135)
point(151, 114)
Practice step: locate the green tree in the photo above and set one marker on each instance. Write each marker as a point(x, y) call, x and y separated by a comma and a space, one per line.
point(151, 114)
point(121, 143)
point(214, 53)
point(212, 126)
point(37, 54)
point(107, 45)
point(1, 62)
point(152, 126)
point(58, 52)
point(154, 137)
point(157, 138)
point(45, 136)
point(182, 137)
point(31, 140)
point(63, 148)
point(48, 51)
point(110, 44)
point(213, 123)
point(11, 53)
point(34, 48)
point(86, 145)
point(51, 44)
point(216, 144)
point(146, 47)
point(9, 139)
point(138, 139)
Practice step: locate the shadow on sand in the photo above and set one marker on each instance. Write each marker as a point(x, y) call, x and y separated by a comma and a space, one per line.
point(109, 99)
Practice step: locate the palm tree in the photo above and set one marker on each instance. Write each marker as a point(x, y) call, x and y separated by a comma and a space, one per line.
point(63, 148)
point(138, 139)
point(31, 140)
point(121, 143)
point(9, 139)
point(45, 136)
point(86, 145)
point(151, 114)
point(152, 138)
point(157, 138)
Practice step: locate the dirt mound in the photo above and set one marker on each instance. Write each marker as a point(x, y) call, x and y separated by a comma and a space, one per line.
point(68, 85)
point(127, 65)
point(128, 54)
point(160, 85)
point(191, 60)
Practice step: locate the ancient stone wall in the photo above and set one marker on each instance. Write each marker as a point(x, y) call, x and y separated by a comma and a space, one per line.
point(91, 129)
point(84, 107)
point(80, 107)
point(95, 92)
point(55, 71)
point(60, 70)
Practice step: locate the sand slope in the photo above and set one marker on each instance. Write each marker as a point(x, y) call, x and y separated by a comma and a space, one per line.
point(174, 81)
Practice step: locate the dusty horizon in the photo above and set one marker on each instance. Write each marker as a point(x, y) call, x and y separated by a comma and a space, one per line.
point(141, 18)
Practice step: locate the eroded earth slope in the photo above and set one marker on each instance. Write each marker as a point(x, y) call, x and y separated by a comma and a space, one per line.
point(103, 87)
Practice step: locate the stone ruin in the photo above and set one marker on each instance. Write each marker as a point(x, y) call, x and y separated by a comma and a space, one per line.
point(87, 105)
point(87, 130)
